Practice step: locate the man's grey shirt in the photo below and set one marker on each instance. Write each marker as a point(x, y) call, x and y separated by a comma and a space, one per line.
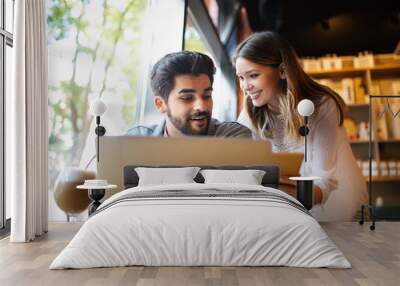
point(216, 128)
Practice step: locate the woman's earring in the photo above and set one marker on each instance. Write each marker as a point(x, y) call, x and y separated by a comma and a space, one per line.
point(282, 73)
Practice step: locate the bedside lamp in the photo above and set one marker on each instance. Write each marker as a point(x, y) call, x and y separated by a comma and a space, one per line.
point(305, 183)
point(305, 109)
point(98, 108)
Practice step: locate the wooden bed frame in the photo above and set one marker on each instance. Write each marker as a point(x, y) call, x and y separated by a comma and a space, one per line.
point(116, 152)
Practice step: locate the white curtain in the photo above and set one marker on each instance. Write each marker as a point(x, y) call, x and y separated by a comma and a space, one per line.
point(27, 123)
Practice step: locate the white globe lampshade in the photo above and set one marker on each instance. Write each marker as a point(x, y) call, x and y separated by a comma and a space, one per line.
point(305, 107)
point(98, 107)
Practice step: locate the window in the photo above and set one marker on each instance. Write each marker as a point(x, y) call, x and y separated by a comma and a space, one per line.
point(94, 51)
point(162, 37)
point(6, 44)
point(201, 36)
point(193, 41)
point(9, 12)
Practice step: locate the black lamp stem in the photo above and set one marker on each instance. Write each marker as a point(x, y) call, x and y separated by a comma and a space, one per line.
point(305, 138)
point(98, 137)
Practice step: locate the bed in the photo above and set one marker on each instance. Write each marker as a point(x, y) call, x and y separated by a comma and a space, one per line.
point(203, 223)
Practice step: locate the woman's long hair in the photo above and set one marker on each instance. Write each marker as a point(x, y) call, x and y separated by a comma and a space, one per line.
point(268, 48)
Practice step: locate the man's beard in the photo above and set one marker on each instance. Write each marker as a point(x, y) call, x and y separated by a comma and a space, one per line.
point(184, 125)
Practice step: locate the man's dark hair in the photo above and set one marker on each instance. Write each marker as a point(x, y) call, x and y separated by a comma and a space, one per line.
point(180, 63)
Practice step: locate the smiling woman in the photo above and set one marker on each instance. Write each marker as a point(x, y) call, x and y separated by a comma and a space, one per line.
point(273, 92)
point(260, 82)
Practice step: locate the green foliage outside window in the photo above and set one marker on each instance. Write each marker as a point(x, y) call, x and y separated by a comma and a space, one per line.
point(93, 33)
point(193, 41)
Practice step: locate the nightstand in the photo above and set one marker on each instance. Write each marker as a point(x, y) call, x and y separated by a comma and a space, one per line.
point(304, 186)
point(96, 191)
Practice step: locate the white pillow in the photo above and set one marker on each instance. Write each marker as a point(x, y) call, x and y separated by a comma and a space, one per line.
point(248, 177)
point(163, 176)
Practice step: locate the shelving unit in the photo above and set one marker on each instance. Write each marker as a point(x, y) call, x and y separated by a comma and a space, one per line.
point(381, 79)
point(354, 105)
point(358, 141)
point(387, 141)
point(389, 69)
point(385, 178)
point(375, 78)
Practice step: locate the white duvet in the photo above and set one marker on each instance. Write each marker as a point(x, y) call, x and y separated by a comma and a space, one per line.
point(200, 231)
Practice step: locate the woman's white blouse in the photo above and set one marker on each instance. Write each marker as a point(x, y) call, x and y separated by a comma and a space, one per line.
point(329, 157)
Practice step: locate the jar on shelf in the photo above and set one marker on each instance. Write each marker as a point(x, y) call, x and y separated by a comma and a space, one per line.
point(392, 168)
point(383, 168)
point(374, 167)
point(398, 168)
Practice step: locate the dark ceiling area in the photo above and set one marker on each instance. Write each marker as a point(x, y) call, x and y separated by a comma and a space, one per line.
point(342, 27)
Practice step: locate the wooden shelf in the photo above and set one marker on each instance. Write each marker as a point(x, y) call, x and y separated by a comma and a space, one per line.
point(338, 73)
point(388, 141)
point(385, 212)
point(385, 70)
point(384, 178)
point(358, 141)
point(377, 70)
point(357, 105)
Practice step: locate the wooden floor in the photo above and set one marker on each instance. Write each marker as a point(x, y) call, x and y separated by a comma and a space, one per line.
point(375, 257)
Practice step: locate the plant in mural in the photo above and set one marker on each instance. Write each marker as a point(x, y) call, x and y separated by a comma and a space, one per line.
point(193, 41)
point(86, 38)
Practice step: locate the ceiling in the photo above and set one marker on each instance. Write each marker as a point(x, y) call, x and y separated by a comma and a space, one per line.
point(316, 27)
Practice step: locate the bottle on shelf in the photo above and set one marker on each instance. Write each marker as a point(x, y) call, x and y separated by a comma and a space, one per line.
point(364, 60)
